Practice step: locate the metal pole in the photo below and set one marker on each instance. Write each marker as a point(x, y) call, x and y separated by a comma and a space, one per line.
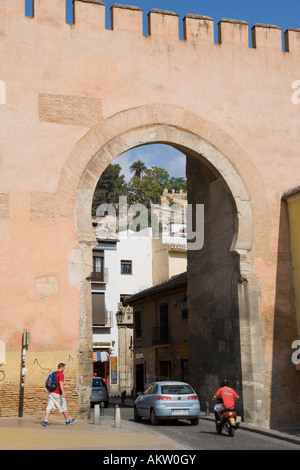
point(22, 382)
point(25, 343)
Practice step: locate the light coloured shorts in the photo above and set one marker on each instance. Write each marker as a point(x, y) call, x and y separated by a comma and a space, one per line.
point(56, 401)
point(218, 407)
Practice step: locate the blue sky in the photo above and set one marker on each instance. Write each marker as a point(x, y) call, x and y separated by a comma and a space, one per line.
point(283, 13)
point(159, 155)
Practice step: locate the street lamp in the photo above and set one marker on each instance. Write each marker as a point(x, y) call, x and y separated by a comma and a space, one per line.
point(119, 316)
point(183, 302)
point(184, 307)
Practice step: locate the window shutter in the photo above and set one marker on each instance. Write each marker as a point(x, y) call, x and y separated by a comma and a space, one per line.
point(98, 309)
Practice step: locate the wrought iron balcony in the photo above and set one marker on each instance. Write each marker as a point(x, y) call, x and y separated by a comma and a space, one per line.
point(100, 276)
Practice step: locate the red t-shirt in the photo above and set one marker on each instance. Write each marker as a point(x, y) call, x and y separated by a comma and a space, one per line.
point(228, 395)
point(59, 378)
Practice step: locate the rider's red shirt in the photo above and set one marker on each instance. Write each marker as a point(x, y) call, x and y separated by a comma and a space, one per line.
point(228, 395)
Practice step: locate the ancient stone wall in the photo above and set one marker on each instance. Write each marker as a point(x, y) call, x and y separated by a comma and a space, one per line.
point(75, 96)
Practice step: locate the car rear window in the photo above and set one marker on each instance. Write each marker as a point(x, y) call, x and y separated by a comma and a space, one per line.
point(176, 389)
point(98, 383)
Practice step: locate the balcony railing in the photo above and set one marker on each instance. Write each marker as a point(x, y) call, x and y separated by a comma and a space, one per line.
point(161, 335)
point(102, 319)
point(100, 276)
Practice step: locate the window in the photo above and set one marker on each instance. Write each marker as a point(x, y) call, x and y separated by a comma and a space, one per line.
point(177, 390)
point(98, 266)
point(98, 309)
point(97, 382)
point(164, 327)
point(185, 370)
point(165, 371)
point(138, 324)
point(151, 390)
point(161, 332)
point(126, 267)
point(122, 298)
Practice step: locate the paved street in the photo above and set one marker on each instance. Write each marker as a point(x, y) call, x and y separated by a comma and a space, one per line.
point(204, 436)
point(131, 438)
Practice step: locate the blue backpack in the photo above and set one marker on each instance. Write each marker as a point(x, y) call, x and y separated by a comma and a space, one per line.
point(51, 383)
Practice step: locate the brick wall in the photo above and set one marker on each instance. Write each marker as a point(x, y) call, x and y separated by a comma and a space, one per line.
point(38, 365)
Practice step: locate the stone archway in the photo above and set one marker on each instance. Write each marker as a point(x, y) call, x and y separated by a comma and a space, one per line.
point(206, 143)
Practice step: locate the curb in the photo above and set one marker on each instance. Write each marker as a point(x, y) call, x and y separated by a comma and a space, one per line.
point(266, 432)
point(246, 427)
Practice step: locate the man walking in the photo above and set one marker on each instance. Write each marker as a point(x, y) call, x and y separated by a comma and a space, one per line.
point(57, 398)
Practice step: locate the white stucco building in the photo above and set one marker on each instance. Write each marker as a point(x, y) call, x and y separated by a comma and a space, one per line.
point(122, 265)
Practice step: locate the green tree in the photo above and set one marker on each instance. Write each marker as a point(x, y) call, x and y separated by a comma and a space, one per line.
point(110, 186)
point(138, 168)
point(177, 184)
point(148, 189)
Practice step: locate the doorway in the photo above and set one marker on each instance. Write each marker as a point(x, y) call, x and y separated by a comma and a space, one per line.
point(139, 377)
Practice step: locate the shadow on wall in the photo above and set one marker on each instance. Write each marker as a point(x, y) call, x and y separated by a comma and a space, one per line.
point(285, 380)
point(213, 277)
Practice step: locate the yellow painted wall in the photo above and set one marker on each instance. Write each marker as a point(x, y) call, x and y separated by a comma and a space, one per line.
point(294, 219)
point(39, 365)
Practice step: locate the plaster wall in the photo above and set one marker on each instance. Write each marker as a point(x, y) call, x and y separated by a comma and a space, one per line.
point(75, 96)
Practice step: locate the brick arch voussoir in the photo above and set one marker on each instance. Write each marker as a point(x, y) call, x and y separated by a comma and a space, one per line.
point(149, 124)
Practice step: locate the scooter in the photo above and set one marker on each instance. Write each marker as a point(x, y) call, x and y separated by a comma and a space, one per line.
point(229, 421)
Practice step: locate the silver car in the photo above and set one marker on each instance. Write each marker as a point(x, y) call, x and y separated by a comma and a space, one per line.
point(99, 392)
point(167, 400)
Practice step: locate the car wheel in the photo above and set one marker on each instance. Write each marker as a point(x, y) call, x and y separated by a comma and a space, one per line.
point(137, 417)
point(153, 417)
point(195, 422)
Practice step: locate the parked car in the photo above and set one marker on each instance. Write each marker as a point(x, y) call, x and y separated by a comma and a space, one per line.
point(99, 392)
point(167, 400)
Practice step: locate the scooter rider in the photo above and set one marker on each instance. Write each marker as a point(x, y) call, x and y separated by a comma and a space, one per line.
point(225, 397)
